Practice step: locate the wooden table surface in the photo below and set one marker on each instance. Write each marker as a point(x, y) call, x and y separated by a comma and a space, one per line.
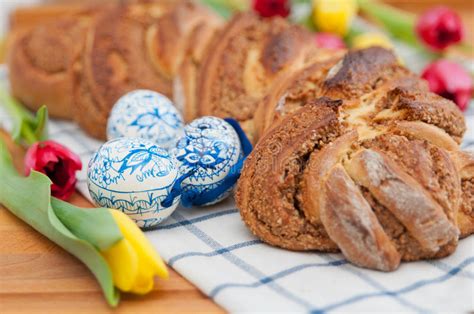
point(36, 276)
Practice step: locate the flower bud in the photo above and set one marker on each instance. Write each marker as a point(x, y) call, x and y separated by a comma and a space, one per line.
point(334, 16)
point(439, 28)
point(329, 41)
point(449, 80)
point(133, 261)
point(58, 163)
point(269, 8)
point(367, 40)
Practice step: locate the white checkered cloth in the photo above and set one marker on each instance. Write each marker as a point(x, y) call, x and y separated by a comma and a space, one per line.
point(213, 249)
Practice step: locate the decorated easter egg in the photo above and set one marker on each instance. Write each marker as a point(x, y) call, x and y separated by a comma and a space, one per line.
point(146, 114)
point(207, 155)
point(133, 175)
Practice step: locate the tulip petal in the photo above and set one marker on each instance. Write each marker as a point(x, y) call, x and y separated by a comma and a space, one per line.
point(334, 16)
point(367, 40)
point(140, 243)
point(94, 225)
point(145, 277)
point(123, 262)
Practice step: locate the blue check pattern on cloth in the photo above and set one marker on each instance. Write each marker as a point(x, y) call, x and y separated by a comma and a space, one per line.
point(213, 249)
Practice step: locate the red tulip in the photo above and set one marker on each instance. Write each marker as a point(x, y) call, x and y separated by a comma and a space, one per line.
point(269, 8)
point(439, 28)
point(449, 80)
point(58, 163)
point(329, 41)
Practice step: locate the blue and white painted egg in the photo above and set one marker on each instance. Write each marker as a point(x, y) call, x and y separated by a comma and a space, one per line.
point(209, 149)
point(133, 175)
point(146, 114)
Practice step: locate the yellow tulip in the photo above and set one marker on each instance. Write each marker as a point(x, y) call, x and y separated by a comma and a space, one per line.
point(334, 16)
point(133, 261)
point(371, 39)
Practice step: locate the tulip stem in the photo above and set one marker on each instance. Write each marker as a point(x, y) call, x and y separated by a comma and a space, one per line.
point(29, 137)
point(226, 8)
point(19, 114)
point(399, 23)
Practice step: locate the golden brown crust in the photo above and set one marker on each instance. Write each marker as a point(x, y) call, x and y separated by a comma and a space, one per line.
point(314, 176)
point(404, 197)
point(424, 131)
point(197, 44)
point(464, 162)
point(172, 36)
point(350, 222)
point(40, 62)
point(362, 71)
point(291, 92)
point(80, 65)
point(134, 46)
point(25, 18)
point(396, 160)
point(115, 61)
point(267, 191)
point(249, 55)
point(430, 108)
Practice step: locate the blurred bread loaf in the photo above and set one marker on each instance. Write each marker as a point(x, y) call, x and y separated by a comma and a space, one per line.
point(41, 60)
point(80, 64)
point(187, 76)
point(115, 61)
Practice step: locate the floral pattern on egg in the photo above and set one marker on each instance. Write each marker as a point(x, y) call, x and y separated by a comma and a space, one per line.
point(133, 175)
point(209, 149)
point(146, 114)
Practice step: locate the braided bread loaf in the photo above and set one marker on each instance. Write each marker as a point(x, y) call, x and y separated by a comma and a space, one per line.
point(174, 47)
point(354, 153)
point(250, 54)
point(371, 168)
point(81, 64)
point(41, 60)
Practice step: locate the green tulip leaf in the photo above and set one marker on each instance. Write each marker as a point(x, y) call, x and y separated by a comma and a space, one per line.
point(40, 123)
point(27, 127)
point(29, 199)
point(398, 23)
point(221, 7)
point(94, 225)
